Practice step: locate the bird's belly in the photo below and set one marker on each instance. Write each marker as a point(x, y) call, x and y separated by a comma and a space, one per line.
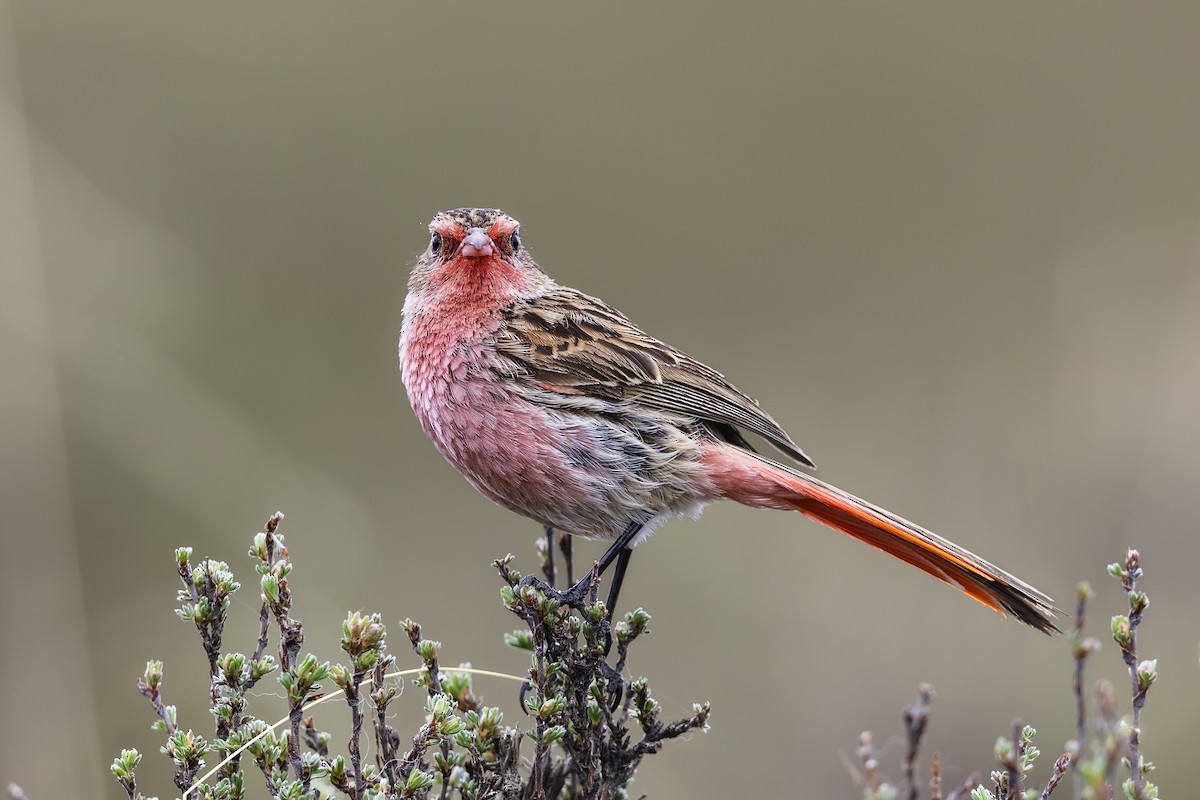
point(584, 472)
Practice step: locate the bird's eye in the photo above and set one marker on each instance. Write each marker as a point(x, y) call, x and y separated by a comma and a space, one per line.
point(435, 243)
point(514, 241)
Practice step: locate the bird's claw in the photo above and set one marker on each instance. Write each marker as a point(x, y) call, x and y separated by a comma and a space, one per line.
point(615, 685)
point(525, 687)
point(575, 597)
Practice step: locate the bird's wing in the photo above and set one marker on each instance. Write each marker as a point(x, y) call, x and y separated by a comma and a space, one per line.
point(574, 344)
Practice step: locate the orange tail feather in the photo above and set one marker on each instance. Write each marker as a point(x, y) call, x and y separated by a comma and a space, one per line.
point(757, 481)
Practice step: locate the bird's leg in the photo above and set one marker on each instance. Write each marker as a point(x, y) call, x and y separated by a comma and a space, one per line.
point(615, 552)
point(614, 589)
point(565, 546)
point(548, 562)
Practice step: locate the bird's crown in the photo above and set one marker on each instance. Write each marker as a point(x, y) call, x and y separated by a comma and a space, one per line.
point(472, 217)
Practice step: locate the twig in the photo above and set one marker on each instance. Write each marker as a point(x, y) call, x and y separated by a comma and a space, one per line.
point(148, 686)
point(1106, 730)
point(916, 717)
point(1140, 675)
point(1016, 776)
point(386, 737)
point(1060, 769)
point(277, 594)
point(1082, 648)
point(866, 752)
point(965, 789)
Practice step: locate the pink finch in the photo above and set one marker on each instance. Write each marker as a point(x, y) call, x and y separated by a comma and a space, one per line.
point(556, 406)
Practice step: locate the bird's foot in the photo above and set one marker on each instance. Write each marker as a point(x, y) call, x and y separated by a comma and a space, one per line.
point(615, 685)
point(575, 597)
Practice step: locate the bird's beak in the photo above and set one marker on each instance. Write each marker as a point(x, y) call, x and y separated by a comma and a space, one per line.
point(477, 244)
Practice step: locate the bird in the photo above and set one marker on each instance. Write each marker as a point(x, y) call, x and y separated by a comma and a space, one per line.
point(556, 406)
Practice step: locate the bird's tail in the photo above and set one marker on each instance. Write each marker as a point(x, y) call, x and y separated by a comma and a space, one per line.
point(760, 482)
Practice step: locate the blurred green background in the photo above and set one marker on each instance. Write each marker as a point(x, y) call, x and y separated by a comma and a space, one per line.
point(954, 248)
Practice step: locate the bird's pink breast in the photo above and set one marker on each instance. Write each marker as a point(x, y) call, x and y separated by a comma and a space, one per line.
point(501, 443)
point(579, 468)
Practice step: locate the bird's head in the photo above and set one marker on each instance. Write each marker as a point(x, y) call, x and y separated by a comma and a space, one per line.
point(475, 245)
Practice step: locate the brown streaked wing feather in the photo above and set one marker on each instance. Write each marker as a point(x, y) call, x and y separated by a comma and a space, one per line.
point(571, 342)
